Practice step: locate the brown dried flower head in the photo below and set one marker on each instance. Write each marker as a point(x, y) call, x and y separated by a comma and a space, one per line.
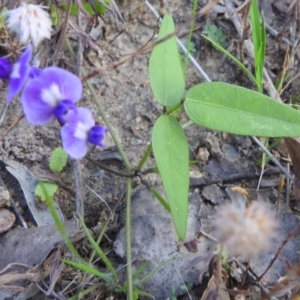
point(245, 231)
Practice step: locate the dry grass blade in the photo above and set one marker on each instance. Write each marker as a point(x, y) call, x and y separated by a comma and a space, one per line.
point(293, 146)
point(85, 37)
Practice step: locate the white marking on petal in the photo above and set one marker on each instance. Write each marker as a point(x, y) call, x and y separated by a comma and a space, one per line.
point(15, 70)
point(81, 131)
point(52, 95)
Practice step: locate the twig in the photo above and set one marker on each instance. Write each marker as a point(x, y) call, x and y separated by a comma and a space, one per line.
point(104, 167)
point(183, 48)
point(275, 161)
point(63, 31)
point(294, 233)
point(147, 48)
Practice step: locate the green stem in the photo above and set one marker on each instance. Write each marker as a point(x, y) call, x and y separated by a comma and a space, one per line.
point(110, 128)
point(145, 157)
point(128, 239)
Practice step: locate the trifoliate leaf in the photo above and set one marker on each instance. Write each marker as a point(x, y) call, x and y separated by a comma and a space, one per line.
point(45, 189)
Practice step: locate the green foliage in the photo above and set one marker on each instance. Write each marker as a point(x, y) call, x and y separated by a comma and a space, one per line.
point(171, 153)
point(190, 47)
point(3, 16)
point(99, 250)
point(162, 201)
point(53, 14)
point(58, 159)
point(99, 7)
point(259, 42)
point(225, 107)
point(44, 189)
point(234, 59)
point(165, 71)
point(215, 34)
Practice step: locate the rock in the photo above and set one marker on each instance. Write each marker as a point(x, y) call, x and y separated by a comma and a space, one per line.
point(7, 219)
point(213, 194)
point(154, 240)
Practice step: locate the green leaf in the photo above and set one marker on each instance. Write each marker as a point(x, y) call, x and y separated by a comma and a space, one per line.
point(45, 189)
point(98, 250)
point(58, 159)
point(234, 59)
point(215, 34)
point(171, 152)
point(3, 12)
point(225, 107)
point(165, 71)
point(53, 14)
point(259, 42)
point(162, 201)
point(88, 269)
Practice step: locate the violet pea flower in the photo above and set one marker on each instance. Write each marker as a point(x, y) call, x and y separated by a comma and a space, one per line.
point(16, 73)
point(50, 94)
point(79, 130)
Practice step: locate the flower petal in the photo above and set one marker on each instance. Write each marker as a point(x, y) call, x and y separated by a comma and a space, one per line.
point(37, 111)
point(5, 68)
point(75, 147)
point(62, 109)
point(34, 72)
point(69, 85)
point(43, 93)
point(97, 135)
point(74, 133)
point(19, 74)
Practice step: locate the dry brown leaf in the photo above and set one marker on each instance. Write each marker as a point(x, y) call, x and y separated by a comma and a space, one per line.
point(241, 191)
point(212, 292)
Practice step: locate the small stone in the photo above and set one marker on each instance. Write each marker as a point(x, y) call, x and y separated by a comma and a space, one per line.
point(213, 144)
point(4, 197)
point(213, 194)
point(202, 155)
point(7, 219)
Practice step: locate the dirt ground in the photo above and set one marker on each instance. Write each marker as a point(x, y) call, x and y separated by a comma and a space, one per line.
point(124, 93)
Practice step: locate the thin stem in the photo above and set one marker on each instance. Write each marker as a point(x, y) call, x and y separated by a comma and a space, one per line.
point(78, 177)
point(104, 167)
point(145, 157)
point(128, 239)
point(110, 128)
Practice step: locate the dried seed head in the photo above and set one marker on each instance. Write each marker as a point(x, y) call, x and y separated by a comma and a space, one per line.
point(29, 22)
point(245, 231)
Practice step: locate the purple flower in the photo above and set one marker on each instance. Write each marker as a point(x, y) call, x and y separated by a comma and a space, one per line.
point(16, 73)
point(50, 94)
point(34, 72)
point(80, 129)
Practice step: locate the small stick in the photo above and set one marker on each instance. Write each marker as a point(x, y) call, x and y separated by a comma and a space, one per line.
point(294, 233)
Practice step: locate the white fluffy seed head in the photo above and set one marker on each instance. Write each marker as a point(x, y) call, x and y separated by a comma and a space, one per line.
point(245, 231)
point(29, 22)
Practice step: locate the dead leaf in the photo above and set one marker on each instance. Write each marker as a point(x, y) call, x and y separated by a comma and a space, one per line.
point(28, 182)
point(241, 191)
point(31, 245)
point(212, 292)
